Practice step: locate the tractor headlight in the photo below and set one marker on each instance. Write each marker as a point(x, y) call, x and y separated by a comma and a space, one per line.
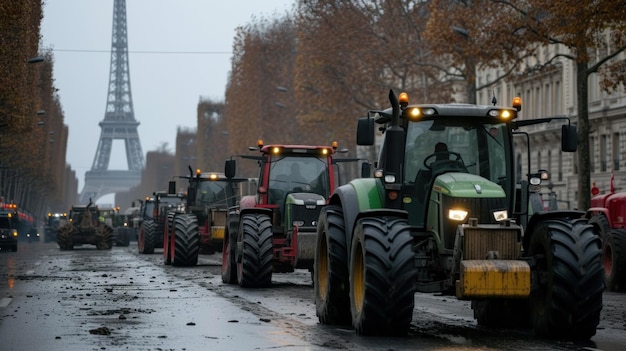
point(457, 215)
point(390, 178)
point(297, 223)
point(501, 215)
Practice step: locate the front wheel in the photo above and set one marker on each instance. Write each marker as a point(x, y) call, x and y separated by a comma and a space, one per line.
point(382, 277)
point(567, 279)
point(186, 241)
point(600, 224)
point(168, 238)
point(614, 260)
point(254, 266)
point(330, 276)
point(145, 242)
point(229, 265)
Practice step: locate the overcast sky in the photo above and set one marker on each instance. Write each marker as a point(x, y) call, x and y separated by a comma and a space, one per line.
point(194, 38)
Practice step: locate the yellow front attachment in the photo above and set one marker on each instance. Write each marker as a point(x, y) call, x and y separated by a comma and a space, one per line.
point(217, 233)
point(493, 278)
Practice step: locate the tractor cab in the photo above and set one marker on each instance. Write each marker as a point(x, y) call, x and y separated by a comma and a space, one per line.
point(453, 161)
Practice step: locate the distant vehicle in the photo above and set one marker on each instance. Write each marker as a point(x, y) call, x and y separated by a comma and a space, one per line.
point(8, 230)
point(113, 218)
point(130, 223)
point(198, 226)
point(53, 223)
point(84, 227)
point(153, 215)
point(608, 216)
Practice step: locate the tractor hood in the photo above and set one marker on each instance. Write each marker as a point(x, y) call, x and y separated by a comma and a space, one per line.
point(306, 199)
point(466, 185)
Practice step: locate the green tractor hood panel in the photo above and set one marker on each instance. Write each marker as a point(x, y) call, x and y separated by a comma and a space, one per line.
point(467, 185)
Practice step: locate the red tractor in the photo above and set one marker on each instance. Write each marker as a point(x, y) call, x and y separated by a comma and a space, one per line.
point(198, 226)
point(608, 216)
point(275, 230)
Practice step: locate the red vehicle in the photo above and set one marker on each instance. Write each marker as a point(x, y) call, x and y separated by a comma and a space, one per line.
point(275, 229)
point(608, 216)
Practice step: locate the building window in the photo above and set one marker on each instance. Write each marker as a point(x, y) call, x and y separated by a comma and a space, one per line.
point(603, 153)
point(539, 109)
point(615, 148)
point(557, 98)
point(538, 160)
point(548, 105)
point(549, 168)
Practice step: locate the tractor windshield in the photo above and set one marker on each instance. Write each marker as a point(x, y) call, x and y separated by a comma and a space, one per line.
point(298, 174)
point(215, 194)
point(148, 210)
point(169, 202)
point(5, 222)
point(475, 148)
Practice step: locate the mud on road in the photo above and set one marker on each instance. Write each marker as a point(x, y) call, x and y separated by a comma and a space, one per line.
point(86, 299)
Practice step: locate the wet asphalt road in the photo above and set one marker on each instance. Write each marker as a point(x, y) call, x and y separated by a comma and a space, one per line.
point(87, 299)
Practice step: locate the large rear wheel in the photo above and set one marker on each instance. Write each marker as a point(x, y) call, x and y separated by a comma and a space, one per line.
point(104, 237)
point(382, 277)
point(330, 276)
point(614, 260)
point(64, 237)
point(567, 279)
point(187, 240)
point(254, 266)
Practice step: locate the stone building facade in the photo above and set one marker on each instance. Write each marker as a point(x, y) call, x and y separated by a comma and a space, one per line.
point(551, 92)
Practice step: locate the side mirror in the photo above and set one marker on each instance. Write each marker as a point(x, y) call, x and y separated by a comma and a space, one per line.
point(365, 131)
point(230, 168)
point(569, 138)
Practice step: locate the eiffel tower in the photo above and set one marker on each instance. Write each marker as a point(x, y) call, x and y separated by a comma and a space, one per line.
point(119, 122)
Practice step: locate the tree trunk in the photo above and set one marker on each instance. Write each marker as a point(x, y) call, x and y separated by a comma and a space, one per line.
point(584, 163)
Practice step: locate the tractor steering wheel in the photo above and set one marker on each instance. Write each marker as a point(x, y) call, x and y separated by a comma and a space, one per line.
point(457, 159)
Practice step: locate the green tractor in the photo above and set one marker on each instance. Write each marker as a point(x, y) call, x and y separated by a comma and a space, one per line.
point(445, 213)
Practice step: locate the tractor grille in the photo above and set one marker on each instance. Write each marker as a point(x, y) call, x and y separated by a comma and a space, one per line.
point(490, 241)
point(308, 215)
point(479, 208)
